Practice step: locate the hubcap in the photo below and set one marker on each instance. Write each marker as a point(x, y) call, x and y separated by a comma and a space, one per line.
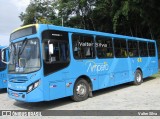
point(81, 90)
point(138, 77)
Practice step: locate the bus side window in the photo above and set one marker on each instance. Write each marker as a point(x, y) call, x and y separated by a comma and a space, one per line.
point(151, 48)
point(120, 47)
point(133, 48)
point(83, 46)
point(60, 52)
point(143, 50)
point(104, 47)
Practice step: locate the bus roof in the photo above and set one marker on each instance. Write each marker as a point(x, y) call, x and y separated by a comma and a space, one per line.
point(82, 31)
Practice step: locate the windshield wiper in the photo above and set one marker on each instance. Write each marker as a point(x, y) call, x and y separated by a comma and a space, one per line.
point(24, 43)
point(13, 45)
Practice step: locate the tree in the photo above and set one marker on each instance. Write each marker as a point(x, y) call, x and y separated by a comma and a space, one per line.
point(40, 11)
point(77, 10)
point(138, 18)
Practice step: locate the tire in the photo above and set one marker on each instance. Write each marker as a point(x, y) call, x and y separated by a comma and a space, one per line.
point(81, 90)
point(138, 77)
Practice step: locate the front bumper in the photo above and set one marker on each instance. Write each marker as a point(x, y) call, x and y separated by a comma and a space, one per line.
point(34, 96)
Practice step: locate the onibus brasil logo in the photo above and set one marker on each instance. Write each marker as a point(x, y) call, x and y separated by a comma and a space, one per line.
point(96, 67)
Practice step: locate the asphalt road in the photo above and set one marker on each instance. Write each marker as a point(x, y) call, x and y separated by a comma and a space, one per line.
point(123, 97)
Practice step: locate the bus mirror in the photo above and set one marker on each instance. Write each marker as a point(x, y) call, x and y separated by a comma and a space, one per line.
point(50, 49)
point(2, 56)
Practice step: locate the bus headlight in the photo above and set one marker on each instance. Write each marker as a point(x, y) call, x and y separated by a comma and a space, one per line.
point(33, 86)
point(30, 88)
point(36, 84)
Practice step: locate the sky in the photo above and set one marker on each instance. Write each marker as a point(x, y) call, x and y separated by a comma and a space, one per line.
point(9, 17)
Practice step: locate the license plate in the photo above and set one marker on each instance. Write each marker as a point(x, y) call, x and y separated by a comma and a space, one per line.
point(15, 94)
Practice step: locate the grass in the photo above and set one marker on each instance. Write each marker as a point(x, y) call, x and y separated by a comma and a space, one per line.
point(156, 75)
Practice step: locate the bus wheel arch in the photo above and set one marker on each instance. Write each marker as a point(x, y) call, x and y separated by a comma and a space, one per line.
point(138, 78)
point(85, 84)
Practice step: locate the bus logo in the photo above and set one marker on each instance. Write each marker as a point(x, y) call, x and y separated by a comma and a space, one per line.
point(139, 59)
point(97, 67)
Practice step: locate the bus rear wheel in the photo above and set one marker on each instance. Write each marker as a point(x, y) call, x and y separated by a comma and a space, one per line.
point(138, 77)
point(81, 90)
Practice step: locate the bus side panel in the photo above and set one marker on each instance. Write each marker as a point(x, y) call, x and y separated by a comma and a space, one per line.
point(132, 63)
point(153, 65)
point(69, 87)
point(57, 89)
point(105, 81)
point(57, 83)
point(3, 79)
point(144, 65)
point(121, 70)
point(85, 68)
point(4, 70)
point(105, 75)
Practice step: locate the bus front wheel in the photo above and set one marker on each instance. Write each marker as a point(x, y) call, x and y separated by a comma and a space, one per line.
point(81, 90)
point(138, 77)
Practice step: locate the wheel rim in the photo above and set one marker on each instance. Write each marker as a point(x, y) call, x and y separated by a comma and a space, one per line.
point(138, 77)
point(81, 90)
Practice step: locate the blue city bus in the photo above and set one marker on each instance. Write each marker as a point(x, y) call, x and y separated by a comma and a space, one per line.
point(49, 62)
point(3, 68)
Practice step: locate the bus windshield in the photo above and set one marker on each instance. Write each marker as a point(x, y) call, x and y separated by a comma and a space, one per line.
point(2, 65)
point(24, 56)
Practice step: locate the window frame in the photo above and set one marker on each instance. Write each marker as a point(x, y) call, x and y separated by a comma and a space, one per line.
point(105, 38)
point(141, 48)
point(151, 49)
point(137, 48)
point(125, 52)
point(74, 46)
point(58, 65)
